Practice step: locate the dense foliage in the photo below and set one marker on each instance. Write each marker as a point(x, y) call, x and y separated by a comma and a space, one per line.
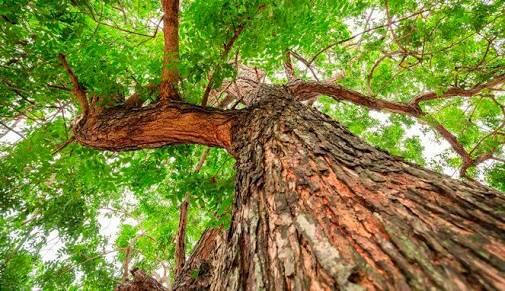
point(57, 199)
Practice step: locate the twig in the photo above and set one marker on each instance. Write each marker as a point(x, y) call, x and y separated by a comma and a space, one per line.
point(363, 32)
point(226, 49)
point(64, 145)
point(12, 129)
point(306, 63)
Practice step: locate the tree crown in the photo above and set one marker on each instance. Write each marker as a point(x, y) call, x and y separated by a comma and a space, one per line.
point(404, 75)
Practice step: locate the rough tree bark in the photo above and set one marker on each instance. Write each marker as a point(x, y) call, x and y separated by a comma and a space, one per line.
point(170, 72)
point(122, 128)
point(318, 209)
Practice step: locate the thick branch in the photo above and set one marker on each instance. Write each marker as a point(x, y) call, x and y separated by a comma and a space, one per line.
point(78, 91)
point(304, 90)
point(170, 73)
point(451, 92)
point(307, 90)
point(120, 129)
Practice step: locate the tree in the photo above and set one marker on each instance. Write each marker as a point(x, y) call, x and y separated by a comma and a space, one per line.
point(315, 207)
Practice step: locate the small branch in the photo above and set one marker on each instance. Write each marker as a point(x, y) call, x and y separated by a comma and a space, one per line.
point(498, 159)
point(226, 50)
point(363, 32)
point(64, 145)
point(78, 91)
point(208, 88)
point(203, 157)
point(154, 34)
point(12, 129)
point(180, 244)
point(20, 92)
point(170, 72)
point(59, 87)
point(99, 22)
point(232, 40)
point(306, 63)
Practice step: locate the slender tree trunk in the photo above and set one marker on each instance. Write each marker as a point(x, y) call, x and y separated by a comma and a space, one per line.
point(318, 209)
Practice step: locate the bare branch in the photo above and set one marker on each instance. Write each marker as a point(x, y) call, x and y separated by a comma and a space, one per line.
point(307, 90)
point(288, 66)
point(78, 91)
point(12, 129)
point(180, 244)
point(180, 241)
point(454, 91)
point(226, 50)
point(306, 63)
point(203, 157)
point(64, 145)
point(303, 90)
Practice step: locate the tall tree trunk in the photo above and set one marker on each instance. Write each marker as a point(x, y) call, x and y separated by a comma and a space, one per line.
point(318, 209)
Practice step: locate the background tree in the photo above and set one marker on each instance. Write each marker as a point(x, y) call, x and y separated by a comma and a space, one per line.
point(437, 67)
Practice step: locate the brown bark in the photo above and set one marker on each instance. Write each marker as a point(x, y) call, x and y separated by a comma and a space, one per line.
point(153, 126)
point(170, 72)
point(318, 209)
point(289, 70)
point(200, 267)
point(78, 90)
point(455, 91)
point(140, 282)
point(307, 90)
point(226, 50)
point(180, 240)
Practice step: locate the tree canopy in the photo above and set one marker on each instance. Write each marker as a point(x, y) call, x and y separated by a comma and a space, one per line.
point(422, 80)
